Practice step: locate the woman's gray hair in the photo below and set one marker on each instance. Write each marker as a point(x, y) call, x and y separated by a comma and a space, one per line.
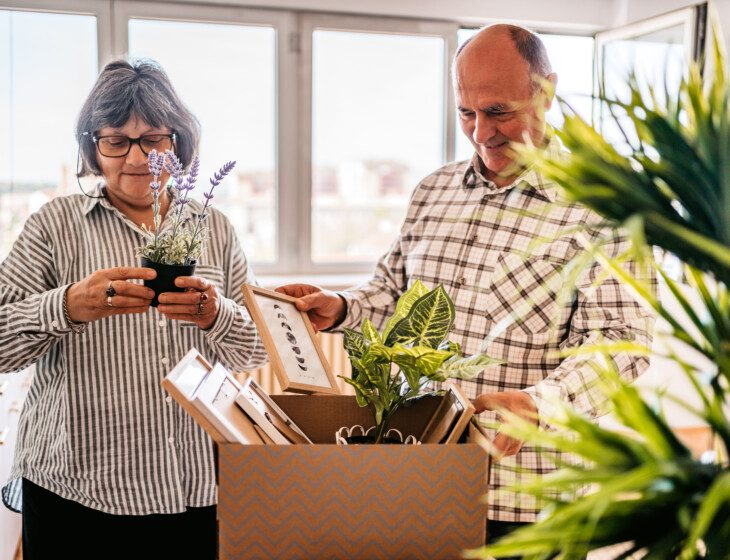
point(139, 88)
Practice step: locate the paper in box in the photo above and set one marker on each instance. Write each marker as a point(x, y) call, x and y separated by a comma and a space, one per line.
point(350, 502)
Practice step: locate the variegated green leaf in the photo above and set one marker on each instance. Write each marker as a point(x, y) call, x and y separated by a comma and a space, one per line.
point(465, 368)
point(354, 343)
point(454, 347)
point(362, 394)
point(426, 360)
point(376, 369)
point(380, 352)
point(404, 304)
point(369, 331)
point(427, 323)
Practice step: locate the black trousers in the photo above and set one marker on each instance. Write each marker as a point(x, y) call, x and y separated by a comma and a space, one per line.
point(497, 529)
point(54, 527)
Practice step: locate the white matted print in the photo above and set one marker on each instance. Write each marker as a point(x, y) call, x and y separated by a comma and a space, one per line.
point(207, 393)
point(268, 415)
point(290, 340)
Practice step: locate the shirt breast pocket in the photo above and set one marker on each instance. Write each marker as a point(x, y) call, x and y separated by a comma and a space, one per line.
point(524, 295)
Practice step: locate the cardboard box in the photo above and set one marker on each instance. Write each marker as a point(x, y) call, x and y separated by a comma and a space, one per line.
point(327, 501)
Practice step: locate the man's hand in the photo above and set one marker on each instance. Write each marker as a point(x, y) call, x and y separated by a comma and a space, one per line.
point(517, 402)
point(324, 308)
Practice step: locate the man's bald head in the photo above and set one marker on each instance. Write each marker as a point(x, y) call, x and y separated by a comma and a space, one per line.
point(528, 45)
point(501, 79)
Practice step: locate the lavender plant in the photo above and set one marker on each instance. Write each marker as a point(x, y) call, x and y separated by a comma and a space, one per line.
point(182, 243)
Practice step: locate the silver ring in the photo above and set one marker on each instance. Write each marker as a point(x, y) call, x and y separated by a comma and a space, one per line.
point(109, 301)
point(110, 291)
point(200, 309)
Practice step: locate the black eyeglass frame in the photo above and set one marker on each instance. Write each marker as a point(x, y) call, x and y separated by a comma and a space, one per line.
point(172, 136)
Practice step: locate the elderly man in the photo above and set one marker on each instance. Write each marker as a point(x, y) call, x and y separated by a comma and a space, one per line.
point(479, 227)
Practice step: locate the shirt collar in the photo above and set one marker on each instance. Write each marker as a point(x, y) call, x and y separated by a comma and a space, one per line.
point(529, 177)
point(193, 207)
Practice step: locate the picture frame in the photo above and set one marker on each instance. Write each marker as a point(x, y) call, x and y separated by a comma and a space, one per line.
point(290, 341)
point(268, 416)
point(451, 417)
point(208, 393)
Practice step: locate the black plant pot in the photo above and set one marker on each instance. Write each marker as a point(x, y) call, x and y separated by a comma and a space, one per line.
point(165, 279)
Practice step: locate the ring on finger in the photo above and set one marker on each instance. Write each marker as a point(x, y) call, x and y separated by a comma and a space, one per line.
point(109, 301)
point(110, 291)
point(200, 309)
point(203, 297)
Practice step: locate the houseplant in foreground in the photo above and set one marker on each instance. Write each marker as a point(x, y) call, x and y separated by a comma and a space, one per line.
point(175, 251)
point(672, 189)
point(392, 367)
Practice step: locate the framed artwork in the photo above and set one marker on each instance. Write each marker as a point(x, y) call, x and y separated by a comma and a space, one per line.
point(208, 394)
point(268, 416)
point(289, 338)
point(451, 417)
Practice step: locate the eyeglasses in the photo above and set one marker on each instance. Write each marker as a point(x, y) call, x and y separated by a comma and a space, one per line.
point(118, 146)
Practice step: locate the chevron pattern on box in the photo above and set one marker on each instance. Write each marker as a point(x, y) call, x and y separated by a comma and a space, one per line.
point(356, 502)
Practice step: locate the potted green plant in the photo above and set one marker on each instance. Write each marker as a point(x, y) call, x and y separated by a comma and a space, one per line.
point(392, 367)
point(175, 252)
point(671, 188)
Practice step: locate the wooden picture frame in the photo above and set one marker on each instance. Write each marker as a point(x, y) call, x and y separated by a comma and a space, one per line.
point(268, 416)
point(208, 394)
point(290, 341)
point(451, 417)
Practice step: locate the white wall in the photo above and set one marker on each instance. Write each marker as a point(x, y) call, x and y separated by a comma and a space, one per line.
point(579, 16)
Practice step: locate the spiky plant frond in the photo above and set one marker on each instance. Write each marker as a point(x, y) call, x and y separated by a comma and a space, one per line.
point(645, 488)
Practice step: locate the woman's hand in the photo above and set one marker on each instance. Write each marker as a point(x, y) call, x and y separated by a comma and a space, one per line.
point(107, 292)
point(199, 303)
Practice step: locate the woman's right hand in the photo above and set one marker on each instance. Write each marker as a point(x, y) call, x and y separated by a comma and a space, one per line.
point(87, 300)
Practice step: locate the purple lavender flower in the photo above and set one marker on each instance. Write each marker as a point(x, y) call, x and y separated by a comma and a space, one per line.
point(221, 173)
point(173, 166)
point(192, 177)
point(214, 182)
point(155, 162)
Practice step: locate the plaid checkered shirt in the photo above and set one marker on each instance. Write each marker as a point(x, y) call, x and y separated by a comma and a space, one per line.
point(501, 254)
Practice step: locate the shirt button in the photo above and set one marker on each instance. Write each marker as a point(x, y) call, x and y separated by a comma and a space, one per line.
point(54, 324)
point(171, 440)
point(168, 399)
point(164, 360)
point(161, 323)
point(475, 237)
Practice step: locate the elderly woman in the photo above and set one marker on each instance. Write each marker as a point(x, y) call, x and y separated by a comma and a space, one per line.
point(104, 458)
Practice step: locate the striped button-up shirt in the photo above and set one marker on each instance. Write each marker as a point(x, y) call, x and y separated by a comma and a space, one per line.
point(96, 426)
point(501, 254)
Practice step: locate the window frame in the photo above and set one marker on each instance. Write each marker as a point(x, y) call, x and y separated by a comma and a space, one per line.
point(294, 83)
point(100, 10)
point(363, 24)
point(284, 24)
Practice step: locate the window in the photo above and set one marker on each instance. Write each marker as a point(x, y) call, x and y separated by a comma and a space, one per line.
point(48, 62)
point(333, 120)
point(377, 129)
point(657, 51)
point(226, 74)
